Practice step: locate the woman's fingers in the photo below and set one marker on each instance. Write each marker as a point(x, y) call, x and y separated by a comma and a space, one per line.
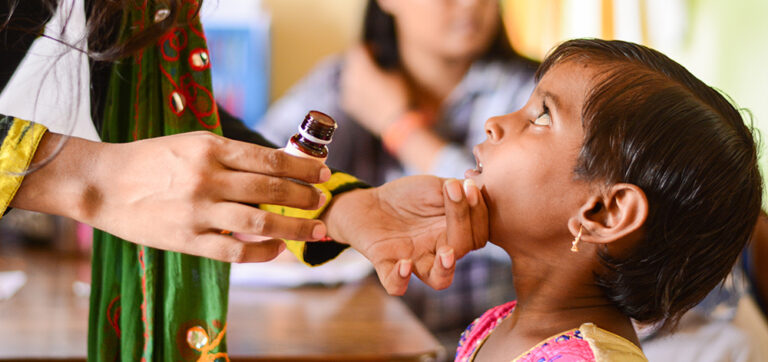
point(443, 267)
point(244, 219)
point(478, 211)
point(228, 249)
point(460, 236)
point(267, 161)
point(394, 276)
point(261, 189)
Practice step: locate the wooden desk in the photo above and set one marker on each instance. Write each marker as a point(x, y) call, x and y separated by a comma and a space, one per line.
point(355, 322)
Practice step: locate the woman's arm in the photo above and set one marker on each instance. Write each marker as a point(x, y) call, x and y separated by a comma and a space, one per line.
point(177, 192)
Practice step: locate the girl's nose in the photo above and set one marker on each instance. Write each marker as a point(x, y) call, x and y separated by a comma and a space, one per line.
point(493, 129)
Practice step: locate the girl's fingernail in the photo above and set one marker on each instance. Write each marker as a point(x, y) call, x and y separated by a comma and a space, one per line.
point(469, 185)
point(281, 248)
point(405, 268)
point(446, 258)
point(454, 190)
point(319, 232)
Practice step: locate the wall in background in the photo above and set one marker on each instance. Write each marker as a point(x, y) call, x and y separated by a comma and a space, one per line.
point(306, 31)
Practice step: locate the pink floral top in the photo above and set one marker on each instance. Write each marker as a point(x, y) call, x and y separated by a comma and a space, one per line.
point(568, 346)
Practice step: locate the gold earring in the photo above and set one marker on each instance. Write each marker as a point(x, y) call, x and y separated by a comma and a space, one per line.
point(575, 243)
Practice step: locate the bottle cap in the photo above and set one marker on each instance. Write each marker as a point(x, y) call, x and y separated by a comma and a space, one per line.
point(318, 127)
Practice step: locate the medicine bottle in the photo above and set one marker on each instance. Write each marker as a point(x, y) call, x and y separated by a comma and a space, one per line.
point(315, 133)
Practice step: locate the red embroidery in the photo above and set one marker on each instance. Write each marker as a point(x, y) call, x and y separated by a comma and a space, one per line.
point(203, 106)
point(176, 40)
point(198, 99)
point(113, 317)
point(144, 298)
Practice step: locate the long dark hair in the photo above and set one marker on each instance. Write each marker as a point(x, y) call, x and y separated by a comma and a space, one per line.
point(651, 123)
point(21, 21)
point(104, 17)
point(380, 35)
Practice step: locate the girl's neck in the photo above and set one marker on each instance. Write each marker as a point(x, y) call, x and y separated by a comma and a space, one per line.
point(555, 293)
point(558, 296)
point(432, 77)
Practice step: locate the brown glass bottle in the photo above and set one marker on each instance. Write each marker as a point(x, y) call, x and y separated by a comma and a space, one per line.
point(315, 133)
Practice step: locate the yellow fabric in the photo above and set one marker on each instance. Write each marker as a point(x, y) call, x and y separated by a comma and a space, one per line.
point(522, 355)
point(16, 153)
point(607, 346)
point(337, 181)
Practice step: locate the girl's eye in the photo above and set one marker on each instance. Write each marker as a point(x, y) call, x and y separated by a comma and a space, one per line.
point(544, 119)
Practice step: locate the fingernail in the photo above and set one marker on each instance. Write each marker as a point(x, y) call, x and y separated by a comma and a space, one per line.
point(405, 268)
point(321, 201)
point(454, 190)
point(281, 248)
point(325, 174)
point(469, 184)
point(446, 258)
point(318, 232)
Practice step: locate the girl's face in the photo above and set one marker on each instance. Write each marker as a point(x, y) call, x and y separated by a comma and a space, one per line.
point(525, 167)
point(449, 28)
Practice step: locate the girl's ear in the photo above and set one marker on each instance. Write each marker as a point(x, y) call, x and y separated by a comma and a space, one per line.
point(620, 211)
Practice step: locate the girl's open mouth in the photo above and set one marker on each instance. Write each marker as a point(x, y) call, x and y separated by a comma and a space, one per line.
point(478, 168)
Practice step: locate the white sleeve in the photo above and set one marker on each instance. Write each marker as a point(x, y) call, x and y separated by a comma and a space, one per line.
point(51, 86)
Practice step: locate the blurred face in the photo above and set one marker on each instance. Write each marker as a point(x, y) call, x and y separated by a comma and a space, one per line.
point(450, 28)
point(525, 167)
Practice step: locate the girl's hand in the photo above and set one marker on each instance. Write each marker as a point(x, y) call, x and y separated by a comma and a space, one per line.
point(372, 96)
point(419, 223)
point(179, 192)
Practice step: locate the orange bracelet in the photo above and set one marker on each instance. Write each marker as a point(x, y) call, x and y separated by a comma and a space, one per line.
point(395, 135)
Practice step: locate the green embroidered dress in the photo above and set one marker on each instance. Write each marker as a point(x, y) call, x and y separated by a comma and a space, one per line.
point(147, 304)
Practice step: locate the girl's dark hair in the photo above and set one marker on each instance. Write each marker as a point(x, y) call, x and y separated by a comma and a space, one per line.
point(380, 34)
point(651, 123)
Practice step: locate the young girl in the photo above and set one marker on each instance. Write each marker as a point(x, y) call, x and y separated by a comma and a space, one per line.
point(624, 189)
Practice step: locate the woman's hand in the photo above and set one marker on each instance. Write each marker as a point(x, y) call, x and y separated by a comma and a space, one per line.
point(419, 223)
point(372, 96)
point(179, 192)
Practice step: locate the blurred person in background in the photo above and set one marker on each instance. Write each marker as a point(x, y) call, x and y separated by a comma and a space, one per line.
point(411, 98)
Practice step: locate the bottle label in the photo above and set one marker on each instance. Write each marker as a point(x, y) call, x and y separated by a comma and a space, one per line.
point(291, 149)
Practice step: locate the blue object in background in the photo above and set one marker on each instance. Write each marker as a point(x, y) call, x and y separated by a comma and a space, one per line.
point(239, 53)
